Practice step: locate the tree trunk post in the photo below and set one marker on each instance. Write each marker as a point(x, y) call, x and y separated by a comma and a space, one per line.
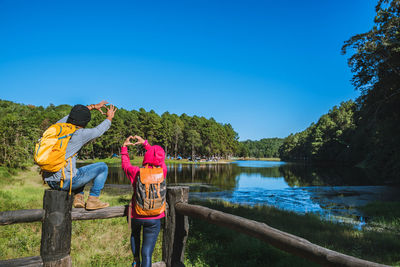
point(55, 246)
point(176, 228)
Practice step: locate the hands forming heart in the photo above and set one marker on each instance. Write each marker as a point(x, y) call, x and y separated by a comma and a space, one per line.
point(128, 142)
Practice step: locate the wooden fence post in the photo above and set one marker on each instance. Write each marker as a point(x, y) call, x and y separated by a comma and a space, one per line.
point(55, 246)
point(176, 228)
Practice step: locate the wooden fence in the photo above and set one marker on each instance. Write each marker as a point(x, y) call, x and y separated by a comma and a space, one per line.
point(57, 214)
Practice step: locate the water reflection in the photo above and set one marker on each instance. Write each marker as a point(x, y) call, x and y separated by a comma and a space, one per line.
point(221, 176)
point(310, 175)
point(333, 192)
point(227, 176)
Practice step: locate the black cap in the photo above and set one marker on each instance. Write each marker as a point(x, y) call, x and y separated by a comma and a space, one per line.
point(79, 116)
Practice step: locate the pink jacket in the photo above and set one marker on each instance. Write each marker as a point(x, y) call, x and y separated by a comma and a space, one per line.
point(154, 155)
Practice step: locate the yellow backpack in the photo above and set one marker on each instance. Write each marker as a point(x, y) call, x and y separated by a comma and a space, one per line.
point(50, 149)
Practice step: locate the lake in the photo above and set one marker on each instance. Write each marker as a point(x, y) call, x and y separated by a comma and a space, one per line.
point(335, 193)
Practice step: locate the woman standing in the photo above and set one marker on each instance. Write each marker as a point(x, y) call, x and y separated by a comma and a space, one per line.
point(154, 157)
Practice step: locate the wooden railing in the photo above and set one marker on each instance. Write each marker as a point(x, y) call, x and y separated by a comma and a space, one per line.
point(57, 216)
point(282, 240)
point(56, 231)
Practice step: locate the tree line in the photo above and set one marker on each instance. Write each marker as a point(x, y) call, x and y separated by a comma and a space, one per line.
point(180, 136)
point(330, 139)
point(264, 148)
point(185, 136)
point(365, 132)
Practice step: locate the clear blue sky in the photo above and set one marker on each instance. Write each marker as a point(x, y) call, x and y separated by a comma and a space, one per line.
point(269, 68)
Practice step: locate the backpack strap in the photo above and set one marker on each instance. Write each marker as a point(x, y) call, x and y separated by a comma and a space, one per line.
point(70, 171)
point(130, 214)
point(62, 178)
point(70, 177)
point(158, 190)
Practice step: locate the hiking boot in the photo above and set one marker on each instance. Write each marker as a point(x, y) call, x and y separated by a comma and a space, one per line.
point(94, 203)
point(79, 202)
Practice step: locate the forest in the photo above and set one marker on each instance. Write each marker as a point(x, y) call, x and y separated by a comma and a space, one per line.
point(181, 136)
point(365, 133)
point(327, 140)
point(264, 148)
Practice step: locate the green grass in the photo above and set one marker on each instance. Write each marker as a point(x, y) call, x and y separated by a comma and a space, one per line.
point(94, 242)
point(138, 161)
point(384, 215)
point(106, 242)
point(6, 175)
point(233, 249)
point(23, 190)
point(135, 161)
point(5, 172)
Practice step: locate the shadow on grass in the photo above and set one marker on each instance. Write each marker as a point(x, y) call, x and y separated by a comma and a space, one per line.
point(211, 245)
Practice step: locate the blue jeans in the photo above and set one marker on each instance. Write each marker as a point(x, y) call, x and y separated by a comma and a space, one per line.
point(151, 229)
point(96, 172)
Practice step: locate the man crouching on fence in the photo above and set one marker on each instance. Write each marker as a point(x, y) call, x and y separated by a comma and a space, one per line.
point(71, 130)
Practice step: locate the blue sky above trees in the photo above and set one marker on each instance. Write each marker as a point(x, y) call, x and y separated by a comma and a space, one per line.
point(270, 68)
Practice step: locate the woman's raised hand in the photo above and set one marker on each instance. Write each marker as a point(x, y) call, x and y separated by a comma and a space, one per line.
point(128, 142)
point(139, 139)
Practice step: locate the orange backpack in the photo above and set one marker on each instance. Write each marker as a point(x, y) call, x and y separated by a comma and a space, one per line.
point(150, 193)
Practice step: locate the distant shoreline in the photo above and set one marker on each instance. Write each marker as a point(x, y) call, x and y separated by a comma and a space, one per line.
point(139, 159)
point(260, 159)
